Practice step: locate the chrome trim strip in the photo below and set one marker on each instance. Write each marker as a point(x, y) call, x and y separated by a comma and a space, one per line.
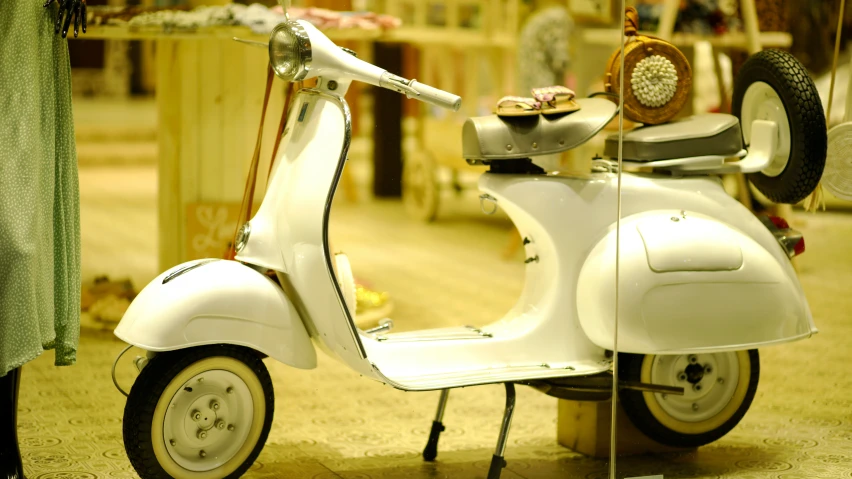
point(452, 383)
point(344, 153)
point(429, 338)
point(187, 269)
point(305, 49)
point(391, 382)
point(465, 332)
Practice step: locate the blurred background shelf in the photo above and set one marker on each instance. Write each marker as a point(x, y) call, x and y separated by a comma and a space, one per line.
point(126, 32)
point(610, 37)
point(204, 91)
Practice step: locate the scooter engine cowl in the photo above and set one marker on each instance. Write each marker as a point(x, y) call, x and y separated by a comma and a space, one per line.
point(687, 282)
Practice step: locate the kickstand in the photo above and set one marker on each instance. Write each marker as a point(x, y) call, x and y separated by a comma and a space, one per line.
point(431, 450)
point(498, 462)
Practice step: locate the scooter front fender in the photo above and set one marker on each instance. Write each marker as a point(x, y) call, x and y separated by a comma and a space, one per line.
point(217, 301)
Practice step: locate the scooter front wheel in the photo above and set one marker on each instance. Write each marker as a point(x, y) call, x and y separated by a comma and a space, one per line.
point(200, 413)
point(718, 390)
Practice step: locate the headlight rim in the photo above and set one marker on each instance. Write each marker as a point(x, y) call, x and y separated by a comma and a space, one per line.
point(303, 43)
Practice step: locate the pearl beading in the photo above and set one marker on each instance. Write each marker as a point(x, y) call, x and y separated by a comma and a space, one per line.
point(654, 81)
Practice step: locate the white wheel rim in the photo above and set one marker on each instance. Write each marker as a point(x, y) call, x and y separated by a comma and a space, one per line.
point(221, 417)
point(722, 381)
point(761, 102)
point(229, 402)
point(704, 398)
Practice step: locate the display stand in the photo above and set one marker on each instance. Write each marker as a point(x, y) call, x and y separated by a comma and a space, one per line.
point(585, 428)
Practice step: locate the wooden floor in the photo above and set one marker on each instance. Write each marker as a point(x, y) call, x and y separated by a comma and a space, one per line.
point(118, 222)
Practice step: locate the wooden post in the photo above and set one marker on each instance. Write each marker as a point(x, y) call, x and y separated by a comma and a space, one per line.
point(752, 30)
point(387, 134)
point(169, 207)
point(667, 20)
point(207, 131)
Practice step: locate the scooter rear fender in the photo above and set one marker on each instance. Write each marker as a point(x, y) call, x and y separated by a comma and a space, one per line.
point(213, 302)
point(689, 283)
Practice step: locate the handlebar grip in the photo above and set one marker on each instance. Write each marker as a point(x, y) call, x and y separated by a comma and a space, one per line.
point(435, 96)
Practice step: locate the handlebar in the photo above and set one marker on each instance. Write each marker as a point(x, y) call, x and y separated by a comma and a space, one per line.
point(420, 91)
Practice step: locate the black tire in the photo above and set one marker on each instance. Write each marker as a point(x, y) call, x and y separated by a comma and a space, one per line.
point(808, 136)
point(151, 384)
point(638, 405)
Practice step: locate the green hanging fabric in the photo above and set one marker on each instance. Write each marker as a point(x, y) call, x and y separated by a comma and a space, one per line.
point(39, 190)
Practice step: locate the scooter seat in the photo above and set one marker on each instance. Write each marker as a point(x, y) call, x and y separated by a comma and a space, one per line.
point(711, 134)
point(505, 138)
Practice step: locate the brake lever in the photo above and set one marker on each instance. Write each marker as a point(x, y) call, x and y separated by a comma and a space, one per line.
point(400, 85)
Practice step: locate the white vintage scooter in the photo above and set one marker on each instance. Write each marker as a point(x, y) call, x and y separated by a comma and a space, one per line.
point(703, 282)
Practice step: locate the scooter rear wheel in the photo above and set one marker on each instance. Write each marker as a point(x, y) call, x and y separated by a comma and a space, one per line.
point(201, 413)
point(718, 390)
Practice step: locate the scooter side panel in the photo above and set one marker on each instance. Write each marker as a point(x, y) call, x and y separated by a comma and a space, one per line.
point(723, 292)
point(217, 302)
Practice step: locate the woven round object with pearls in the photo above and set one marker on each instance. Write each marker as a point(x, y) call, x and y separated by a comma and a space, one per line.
point(654, 81)
point(657, 79)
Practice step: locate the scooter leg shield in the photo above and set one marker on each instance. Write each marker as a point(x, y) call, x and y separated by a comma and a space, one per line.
point(217, 302)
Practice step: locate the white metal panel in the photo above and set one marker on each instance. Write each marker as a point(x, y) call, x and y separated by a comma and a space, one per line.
point(565, 317)
point(289, 232)
point(540, 336)
point(757, 304)
point(680, 243)
point(217, 302)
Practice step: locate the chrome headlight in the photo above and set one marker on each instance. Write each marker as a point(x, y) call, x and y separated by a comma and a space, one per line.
point(290, 51)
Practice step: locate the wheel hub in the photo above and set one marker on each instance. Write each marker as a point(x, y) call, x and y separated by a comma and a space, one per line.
point(207, 420)
point(708, 381)
point(694, 373)
point(205, 416)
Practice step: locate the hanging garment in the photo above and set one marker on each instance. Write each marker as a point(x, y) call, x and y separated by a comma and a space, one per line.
point(543, 49)
point(39, 191)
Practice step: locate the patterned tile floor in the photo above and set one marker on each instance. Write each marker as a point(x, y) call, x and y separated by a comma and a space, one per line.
point(329, 423)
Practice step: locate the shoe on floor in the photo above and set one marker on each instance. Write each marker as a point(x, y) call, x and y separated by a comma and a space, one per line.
point(371, 306)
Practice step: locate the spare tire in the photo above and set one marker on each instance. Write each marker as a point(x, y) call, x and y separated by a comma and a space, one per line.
point(772, 85)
